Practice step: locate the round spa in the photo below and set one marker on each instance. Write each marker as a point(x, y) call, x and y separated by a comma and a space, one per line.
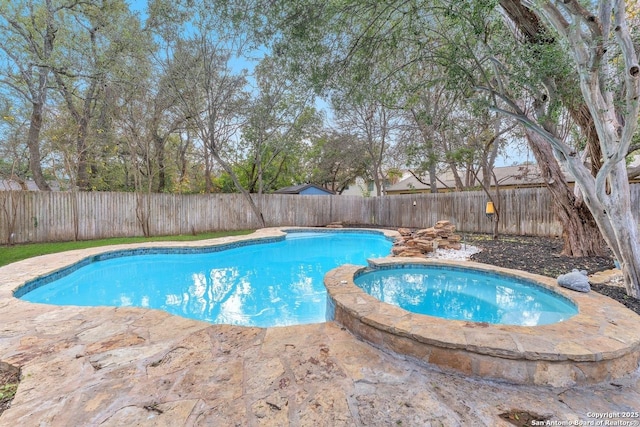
point(538, 334)
point(458, 293)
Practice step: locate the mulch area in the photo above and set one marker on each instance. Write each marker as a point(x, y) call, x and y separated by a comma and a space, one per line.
point(9, 380)
point(541, 255)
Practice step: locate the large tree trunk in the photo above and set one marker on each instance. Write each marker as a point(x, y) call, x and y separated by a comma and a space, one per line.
point(580, 232)
point(614, 111)
point(159, 143)
point(614, 216)
point(628, 253)
point(33, 142)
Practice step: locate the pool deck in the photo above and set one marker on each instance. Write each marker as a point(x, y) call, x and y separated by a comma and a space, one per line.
point(129, 366)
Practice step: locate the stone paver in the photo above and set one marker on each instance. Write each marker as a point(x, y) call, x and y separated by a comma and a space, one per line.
point(136, 367)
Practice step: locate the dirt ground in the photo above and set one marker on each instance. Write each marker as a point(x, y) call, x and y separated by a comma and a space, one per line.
point(9, 380)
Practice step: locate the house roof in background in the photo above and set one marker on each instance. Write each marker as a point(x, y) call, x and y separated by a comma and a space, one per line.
point(13, 185)
point(297, 189)
point(513, 176)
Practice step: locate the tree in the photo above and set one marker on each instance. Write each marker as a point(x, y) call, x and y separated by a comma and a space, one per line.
point(30, 30)
point(104, 49)
point(214, 100)
point(538, 50)
point(335, 160)
point(151, 122)
point(279, 120)
point(200, 45)
point(375, 126)
point(606, 63)
point(428, 113)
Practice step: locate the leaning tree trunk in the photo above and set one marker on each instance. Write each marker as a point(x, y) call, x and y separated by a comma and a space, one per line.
point(580, 232)
point(227, 168)
point(610, 87)
point(33, 143)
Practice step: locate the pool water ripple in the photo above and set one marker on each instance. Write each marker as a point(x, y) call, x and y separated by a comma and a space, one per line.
point(277, 283)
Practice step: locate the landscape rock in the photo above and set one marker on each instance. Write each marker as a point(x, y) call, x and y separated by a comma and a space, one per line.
point(577, 280)
point(335, 225)
point(445, 224)
point(404, 231)
point(397, 250)
point(427, 240)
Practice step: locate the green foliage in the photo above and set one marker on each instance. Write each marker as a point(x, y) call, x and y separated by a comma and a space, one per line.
point(224, 184)
point(334, 160)
point(134, 84)
point(8, 391)
point(9, 254)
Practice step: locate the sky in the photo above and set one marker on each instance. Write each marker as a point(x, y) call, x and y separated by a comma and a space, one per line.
point(139, 6)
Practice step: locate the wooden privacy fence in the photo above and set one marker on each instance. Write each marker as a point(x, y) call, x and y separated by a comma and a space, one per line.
point(59, 216)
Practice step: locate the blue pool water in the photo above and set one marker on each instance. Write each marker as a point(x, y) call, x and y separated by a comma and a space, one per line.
point(464, 294)
point(265, 284)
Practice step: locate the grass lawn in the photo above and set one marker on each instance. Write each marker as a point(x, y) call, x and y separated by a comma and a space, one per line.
point(9, 254)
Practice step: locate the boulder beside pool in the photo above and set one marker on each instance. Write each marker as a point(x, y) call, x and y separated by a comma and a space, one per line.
point(577, 280)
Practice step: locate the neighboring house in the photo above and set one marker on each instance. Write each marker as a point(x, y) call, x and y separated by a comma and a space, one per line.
point(27, 185)
point(367, 188)
point(360, 187)
point(305, 189)
point(522, 176)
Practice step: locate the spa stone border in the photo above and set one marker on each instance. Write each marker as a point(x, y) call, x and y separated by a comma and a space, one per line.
point(600, 343)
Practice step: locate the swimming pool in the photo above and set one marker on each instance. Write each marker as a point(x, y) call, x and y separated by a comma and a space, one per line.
point(466, 294)
point(262, 284)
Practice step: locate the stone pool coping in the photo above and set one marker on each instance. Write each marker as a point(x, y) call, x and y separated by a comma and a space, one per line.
point(600, 343)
